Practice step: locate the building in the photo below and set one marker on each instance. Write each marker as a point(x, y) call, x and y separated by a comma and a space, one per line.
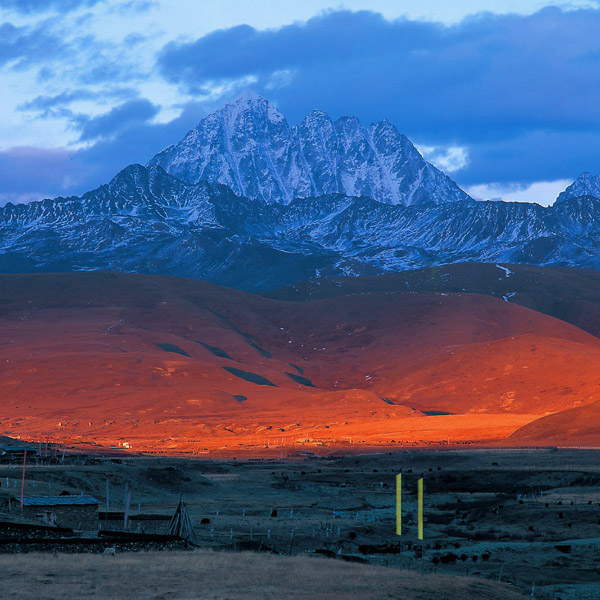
point(75, 512)
point(14, 454)
point(136, 523)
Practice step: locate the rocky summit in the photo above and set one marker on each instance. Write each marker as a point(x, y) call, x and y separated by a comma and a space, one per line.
point(249, 146)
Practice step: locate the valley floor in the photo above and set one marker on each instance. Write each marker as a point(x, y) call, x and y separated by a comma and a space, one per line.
point(527, 518)
point(225, 439)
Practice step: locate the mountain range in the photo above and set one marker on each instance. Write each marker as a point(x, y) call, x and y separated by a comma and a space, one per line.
point(248, 201)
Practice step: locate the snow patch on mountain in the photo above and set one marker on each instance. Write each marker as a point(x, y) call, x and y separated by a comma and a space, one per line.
point(585, 185)
point(145, 220)
point(249, 146)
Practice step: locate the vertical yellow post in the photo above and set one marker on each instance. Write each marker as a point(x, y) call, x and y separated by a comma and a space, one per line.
point(399, 504)
point(420, 500)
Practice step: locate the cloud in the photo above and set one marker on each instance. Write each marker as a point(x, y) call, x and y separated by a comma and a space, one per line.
point(42, 6)
point(544, 155)
point(541, 192)
point(24, 46)
point(118, 119)
point(485, 84)
point(135, 6)
point(28, 173)
point(55, 105)
point(450, 160)
point(493, 98)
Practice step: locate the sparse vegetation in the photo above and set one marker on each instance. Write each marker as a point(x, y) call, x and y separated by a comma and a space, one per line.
point(338, 508)
point(235, 576)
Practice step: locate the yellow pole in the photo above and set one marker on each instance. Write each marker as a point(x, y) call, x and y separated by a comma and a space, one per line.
point(399, 504)
point(420, 498)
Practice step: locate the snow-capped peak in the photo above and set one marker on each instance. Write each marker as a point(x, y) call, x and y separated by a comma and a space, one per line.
point(248, 96)
point(249, 146)
point(585, 185)
point(250, 101)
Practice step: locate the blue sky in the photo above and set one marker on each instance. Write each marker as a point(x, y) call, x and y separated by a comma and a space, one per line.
point(505, 100)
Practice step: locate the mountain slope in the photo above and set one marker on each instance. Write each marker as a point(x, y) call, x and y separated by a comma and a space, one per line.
point(568, 294)
point(573, 427)
point(248, 146)
point(585, 185)
point(146, 220)
point(167, 363)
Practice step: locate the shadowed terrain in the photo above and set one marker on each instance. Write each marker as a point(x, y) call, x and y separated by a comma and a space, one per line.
point(569, 294)
point(234, 576)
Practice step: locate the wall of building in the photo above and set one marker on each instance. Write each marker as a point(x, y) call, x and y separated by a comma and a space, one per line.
point(75, 516)
point(137, 523)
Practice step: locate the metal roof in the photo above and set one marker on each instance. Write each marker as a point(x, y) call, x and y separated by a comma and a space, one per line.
point(56, 500)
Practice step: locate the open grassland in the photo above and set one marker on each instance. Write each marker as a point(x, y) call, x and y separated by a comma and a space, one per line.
point(525, 517)
point(233, 576)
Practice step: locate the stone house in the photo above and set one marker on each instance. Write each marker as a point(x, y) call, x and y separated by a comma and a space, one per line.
point(74, 512)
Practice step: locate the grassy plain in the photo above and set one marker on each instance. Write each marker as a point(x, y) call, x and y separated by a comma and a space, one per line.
point(523, 517)
point(239, 576)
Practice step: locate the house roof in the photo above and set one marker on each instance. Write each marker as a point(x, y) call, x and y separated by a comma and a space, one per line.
point(57, 500)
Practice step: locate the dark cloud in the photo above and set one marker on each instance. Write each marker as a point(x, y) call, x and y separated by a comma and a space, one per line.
point(24, 46)
point(489, 82)
point(107, 71)
point(534, 156)
point(118, 119)
point(135, 6)
point(32, 173)
point(57, 54)
point(28, 173)
point(42, 103)
point(55, 105)
point(133, 39)
point(42, 6)
point(520, 93)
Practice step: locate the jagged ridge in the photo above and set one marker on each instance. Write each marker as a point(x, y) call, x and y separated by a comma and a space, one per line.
point(146, 220)
point(249, 146)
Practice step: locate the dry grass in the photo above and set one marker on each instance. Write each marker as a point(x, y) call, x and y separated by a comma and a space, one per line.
point(201, 574)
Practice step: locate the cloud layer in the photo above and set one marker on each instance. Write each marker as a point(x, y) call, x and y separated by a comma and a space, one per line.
point(520, 93)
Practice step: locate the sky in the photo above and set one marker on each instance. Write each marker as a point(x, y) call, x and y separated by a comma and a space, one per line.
point(502, 95)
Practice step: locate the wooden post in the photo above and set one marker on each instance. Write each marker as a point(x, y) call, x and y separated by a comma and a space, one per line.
point(398, 504)
point(127, 503)
point(23, 481)
point(420, 500)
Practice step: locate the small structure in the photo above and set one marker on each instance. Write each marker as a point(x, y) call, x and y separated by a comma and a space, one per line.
point(74, 512)
point(181, 525)
point(140, 523)
point(9, 454)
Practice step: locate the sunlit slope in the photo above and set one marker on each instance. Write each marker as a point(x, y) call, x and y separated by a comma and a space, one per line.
point(166, 362)
point(573, 427)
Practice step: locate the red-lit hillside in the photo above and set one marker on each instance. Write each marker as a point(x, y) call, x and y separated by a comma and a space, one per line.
point(175, 364)
point(573, 427)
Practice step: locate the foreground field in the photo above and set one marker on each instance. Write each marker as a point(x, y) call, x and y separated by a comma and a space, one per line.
point(530, 518)
point(232, 576)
